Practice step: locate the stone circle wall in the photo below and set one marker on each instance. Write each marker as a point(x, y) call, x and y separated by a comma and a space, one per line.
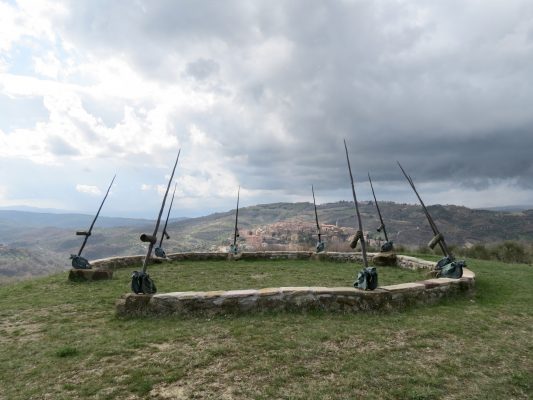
point(133, 261)
point(337, 299)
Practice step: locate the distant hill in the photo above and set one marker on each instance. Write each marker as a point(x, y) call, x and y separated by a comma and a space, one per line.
point(72, 221)
point(40, 237)
point(507, 208)
point(406, 223)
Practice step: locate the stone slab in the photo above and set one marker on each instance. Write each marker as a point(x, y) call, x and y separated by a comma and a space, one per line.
point(268, 291)
point(403, 287)
point(181, 295)
point(240, 293)
point(214, 293)
point(468, 274)
point(346, 291)
point(86, 275)
point(385, 259)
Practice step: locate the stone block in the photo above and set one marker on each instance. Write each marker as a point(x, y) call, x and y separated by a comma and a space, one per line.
point(132, 304)
point(234, 257)
point(268, 292)
point(181, 295)
point(346, 291)
point(430, 283)
point(239, 293)
point(440, 281)
point(213, 294)
point(384, 259)
point(317, 290)
point(85, 275)
point(468, 274)
point(137, 300)
point(401, 287)
point(247, 303)
point(294, 290)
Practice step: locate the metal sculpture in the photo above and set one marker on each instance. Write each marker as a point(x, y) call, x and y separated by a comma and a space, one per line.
point(234, 248)
point(79, 262)
point(388, 245)
point(141, 281)
point(359, 234)
point(159, 252)
point(367, 279)
point(320, 246)
point(438, 237)
point(447, 266)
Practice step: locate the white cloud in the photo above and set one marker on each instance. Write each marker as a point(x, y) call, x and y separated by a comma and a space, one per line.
point(48, 65)
point(88, 189)
point(161, 189)
point(262, 94)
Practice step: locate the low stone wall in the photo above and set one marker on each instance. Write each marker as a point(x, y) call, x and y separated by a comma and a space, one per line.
point(136, 261)
point(343, 299)
point(301, 299)
point(117, 262)
point(414, 263)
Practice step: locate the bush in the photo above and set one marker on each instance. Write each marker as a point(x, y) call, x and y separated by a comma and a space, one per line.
point(508, 252)
point(511, 252)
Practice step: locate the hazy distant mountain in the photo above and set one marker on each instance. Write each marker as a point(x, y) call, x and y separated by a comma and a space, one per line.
point(507, 208)
point(72, 221)
point(39, 236)
point(37, 209)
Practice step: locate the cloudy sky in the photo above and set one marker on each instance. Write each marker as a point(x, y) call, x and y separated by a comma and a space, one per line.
point(262, 94)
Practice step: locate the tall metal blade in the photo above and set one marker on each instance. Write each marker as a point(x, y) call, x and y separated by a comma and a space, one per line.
point(377, 207)
point(426, 212)
point(442, 243)
point(316, 215)
point(151, 245)
point(236, 230)
point(363, 244)
point(168, 215)
point(96, 217)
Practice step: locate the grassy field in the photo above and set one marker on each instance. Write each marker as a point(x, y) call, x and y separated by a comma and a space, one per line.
point(61, 340)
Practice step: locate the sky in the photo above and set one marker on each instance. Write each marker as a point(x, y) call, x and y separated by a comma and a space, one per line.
point(261, 94)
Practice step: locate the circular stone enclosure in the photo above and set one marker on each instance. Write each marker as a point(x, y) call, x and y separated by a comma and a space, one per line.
point(292, 299)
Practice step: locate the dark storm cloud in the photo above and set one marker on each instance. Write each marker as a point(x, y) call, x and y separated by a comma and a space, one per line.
point(444, 87)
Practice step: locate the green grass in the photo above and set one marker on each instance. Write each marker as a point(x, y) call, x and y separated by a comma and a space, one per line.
point(61, 340)
point(201, 276)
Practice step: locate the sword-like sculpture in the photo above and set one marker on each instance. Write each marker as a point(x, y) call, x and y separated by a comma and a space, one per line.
point(367, 279)
point(359, 233)
point(79, 262)
point(234, 248)
point(140, 281)
point(159, 252)
point(320, 244)
point(387, 246)
point(438, 237)
point(447, 267)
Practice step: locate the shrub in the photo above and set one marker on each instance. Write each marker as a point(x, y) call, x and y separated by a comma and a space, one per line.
point(508, 252)
point(66, 351)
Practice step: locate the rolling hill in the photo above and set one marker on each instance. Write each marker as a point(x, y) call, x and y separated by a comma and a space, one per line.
point(45, 241)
